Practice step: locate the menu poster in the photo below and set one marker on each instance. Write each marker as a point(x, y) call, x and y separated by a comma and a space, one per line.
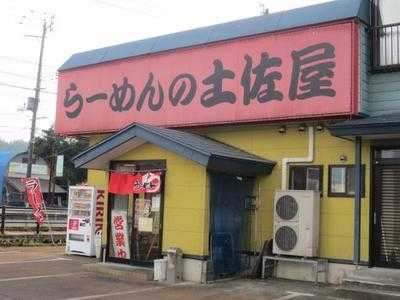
point(142, 209)
point(145, 224)
point(155, 203)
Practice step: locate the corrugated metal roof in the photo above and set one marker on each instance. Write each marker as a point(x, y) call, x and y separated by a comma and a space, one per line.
point(214, 155)
point(5, 157)
point(310, 15)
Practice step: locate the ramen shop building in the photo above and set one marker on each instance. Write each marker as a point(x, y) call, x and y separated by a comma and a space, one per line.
point(194, 134)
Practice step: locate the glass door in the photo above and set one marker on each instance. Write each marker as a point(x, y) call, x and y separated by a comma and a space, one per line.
point(135, 221)
point(147, 227)
point(120, 228)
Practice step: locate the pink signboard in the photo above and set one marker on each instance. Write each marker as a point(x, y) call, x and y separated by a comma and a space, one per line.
point(303, 73)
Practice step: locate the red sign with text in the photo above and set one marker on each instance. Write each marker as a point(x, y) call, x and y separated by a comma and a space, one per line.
point(138, 183)
point(73, 224)
point(35, 198)
point(119, 231)
point(303, 73)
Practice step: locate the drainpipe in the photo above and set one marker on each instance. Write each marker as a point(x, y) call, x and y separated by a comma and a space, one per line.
point(357, 201)
point(307, 159)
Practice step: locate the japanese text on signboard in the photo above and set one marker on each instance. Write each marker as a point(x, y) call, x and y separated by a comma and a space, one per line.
point(35, 198)
point(312, 72)
point(305, 73)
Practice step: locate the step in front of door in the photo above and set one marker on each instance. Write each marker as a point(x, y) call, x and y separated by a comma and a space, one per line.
point(120, 272)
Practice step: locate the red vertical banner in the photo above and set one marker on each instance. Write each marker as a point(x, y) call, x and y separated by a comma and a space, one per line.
point(35, 198)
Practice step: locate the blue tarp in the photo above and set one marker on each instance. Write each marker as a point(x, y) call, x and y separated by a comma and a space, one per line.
point(5, 157)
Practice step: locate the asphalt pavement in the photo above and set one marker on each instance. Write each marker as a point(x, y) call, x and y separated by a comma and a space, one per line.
point(47, 273)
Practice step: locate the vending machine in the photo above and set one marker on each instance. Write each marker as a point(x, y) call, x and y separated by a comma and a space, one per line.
point(81, 222)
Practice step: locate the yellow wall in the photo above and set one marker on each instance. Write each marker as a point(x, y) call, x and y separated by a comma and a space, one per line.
point(336, 231)
point(186, 213)
point(99, 179)
point(185, 206)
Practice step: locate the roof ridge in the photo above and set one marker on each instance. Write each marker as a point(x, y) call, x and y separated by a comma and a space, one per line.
point(204, 137)
point(297, 17)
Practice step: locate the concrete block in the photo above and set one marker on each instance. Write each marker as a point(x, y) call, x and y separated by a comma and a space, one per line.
point(304, 272)
point(194, 270)
point(120, 271)
point(379, 278)
point(295, 271)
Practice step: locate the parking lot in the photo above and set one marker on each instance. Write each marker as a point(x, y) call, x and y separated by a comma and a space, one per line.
point(46, 273)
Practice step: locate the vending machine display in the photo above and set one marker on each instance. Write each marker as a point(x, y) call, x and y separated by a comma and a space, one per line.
point(81, 221)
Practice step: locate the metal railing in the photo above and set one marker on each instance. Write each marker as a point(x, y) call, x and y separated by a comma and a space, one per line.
point(21, 219)
point(386, 43)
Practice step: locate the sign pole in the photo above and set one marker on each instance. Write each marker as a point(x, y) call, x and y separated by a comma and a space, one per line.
point(48, 222)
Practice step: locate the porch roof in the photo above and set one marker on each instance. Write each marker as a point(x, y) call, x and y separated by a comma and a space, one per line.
point(375, 127)
point(214, 155)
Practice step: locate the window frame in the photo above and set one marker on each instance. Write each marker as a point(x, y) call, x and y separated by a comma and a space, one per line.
point(376, 27)
point(321, 172)
point(346, 193)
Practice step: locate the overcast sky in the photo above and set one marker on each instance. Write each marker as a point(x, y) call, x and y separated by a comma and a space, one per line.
point(81, 25)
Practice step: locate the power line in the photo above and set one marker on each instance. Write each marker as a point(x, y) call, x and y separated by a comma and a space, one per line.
point(21, 95)
point(22, 75)
point(24, 88)
point(16, 86)
point(16, 74)
point(124, 8)
point(10, 113)
point(24, 61)
point(18, 59)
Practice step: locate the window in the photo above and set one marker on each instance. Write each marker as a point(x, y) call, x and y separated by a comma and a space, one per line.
point(389, 153)
point(386, 34)
point(306, 178)
point(341, 181)
point(25, 160)
point(387, 12)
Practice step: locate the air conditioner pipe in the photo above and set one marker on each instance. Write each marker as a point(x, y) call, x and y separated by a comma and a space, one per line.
point(309, 159)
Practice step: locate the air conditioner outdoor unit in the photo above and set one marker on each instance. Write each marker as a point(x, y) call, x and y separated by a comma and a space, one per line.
point(296, 223)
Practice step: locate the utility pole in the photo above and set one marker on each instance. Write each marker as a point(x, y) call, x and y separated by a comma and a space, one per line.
point(263, 10)
point(45, 27)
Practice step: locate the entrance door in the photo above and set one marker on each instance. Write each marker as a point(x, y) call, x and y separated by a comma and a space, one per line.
point(386, 208)
point(229, 221)
point(142, 216)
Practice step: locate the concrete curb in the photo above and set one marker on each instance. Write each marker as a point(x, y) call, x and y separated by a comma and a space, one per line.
point(120, 272)
point(365, 294)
